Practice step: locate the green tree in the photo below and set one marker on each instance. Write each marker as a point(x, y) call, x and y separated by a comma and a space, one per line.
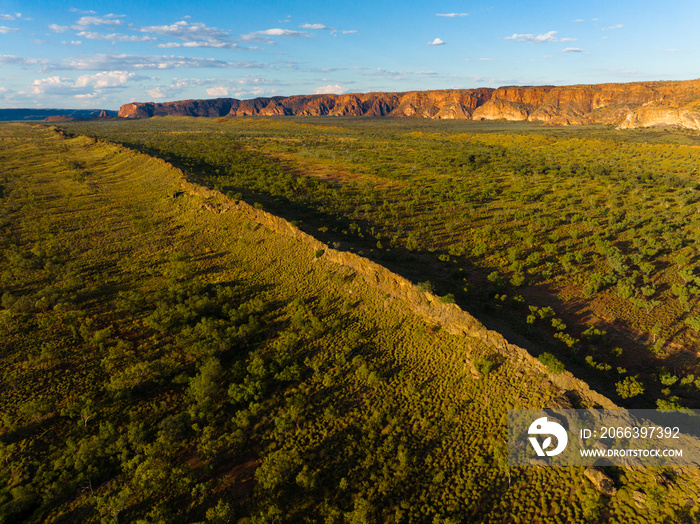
point(629, 387)
point(82, 408)
point(205, 388)
point(552, 363)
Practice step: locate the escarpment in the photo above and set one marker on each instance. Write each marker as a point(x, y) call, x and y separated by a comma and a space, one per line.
point(450, 317)
point(629, 105)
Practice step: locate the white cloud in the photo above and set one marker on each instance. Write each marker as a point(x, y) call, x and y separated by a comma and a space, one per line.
point(538, 39)
point(485, 59)
point(82, 87)
point(7, 17)
point(44, 85)
point(281, 32)
point(18, 60)
point(330, 89)
point(115, 37)
point(4, 29)
point(177, 86)
point(617, 26)
point(572, 50)
point(194, 34)
point(257, 91)
point(156, 92)
point(313, 26)
point(218, 45)
point(451, 15)
point(437, 41)
point(111, 62)
point(287, 33)
point(104, 79)
point(336, 32)
point(86, 21)
point(217, 91)
point(58, 28)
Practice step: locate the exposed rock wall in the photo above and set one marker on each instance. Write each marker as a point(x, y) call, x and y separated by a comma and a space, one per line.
point(652, 114)
point(214, 107)
point(640, 104)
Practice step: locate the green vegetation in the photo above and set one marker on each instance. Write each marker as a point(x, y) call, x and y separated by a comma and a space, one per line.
point(629, 387)
point(165, 363)
point(579, 223)
point(553, 364)
point(483, 365)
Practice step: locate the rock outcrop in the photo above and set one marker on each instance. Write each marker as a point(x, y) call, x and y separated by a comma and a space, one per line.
point(601, 481)
point(639, 104)
point(654, 114)
point(215, 107)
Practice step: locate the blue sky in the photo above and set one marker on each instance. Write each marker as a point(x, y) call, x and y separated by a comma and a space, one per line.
point(102, 54)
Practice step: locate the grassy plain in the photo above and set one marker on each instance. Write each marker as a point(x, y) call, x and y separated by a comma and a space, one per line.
point(163, 363)
point(580, 242)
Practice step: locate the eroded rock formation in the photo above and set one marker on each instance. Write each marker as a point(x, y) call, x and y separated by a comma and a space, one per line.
point(640, 104)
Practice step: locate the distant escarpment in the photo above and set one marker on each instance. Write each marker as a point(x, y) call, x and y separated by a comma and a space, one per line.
point(639, 104)
point(55, 115)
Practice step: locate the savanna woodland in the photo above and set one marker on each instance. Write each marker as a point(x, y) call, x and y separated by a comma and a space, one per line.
point(166, 357)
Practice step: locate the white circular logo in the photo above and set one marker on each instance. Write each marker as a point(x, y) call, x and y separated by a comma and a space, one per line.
point(542, 426)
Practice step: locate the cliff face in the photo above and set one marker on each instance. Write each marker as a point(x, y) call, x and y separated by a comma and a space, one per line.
point(641, 104)
point(215, 107)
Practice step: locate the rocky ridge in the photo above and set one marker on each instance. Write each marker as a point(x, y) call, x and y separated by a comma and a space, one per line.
point(629, 105)
point(425, 304)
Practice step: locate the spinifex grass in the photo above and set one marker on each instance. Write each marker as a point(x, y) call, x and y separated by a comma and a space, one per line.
point(165, 363)
point(598, 225)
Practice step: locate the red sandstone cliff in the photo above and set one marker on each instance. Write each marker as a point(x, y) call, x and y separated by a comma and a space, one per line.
point(640, 104)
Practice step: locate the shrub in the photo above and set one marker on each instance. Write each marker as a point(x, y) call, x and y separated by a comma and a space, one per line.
point(552, 363)
point(545, 312)
point(567, 339)
point(496, 278)
point(448, 299)
point(426, 286)
point(518, 280)
point(593, 334)
point(670, 404)
point(629, 387)
point(558, 324)
point(693, 323)
point(483, 365)
point(666, 378)
point(234, 196)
